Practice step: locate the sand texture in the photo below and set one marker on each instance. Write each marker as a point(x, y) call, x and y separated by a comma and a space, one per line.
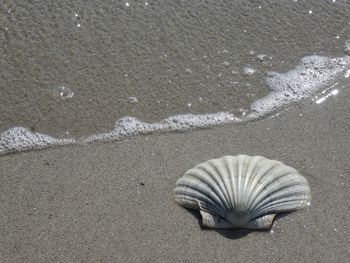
point(113, 202)
point(173, 56)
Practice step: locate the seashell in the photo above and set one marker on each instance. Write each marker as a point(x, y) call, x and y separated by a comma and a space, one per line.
point(242, 191)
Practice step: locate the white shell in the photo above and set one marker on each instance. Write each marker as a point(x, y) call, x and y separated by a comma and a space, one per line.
point(242, 191)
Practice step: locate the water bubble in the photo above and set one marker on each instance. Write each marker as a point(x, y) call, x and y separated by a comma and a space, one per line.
point(248, 71)
point(347, 47)
point(63, 92)
point(334, 92)
point(133, 99)
point(318, 100)
point(263, 57)
point(347, 73)
point(127, 4)
point(77, 19)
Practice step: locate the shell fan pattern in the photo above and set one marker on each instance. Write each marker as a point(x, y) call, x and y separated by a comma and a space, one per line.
point(242, 191)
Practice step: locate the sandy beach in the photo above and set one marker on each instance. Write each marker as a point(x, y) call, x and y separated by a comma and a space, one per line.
point(113, 202)
point(70, 69)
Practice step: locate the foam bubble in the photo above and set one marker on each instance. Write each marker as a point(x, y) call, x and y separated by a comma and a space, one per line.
point(313, 74)
point(263, 58)
point(133, 99)
point(347, 47)
point(129, 126)
point(248, 71)
point(63, 92)
point(20, 139)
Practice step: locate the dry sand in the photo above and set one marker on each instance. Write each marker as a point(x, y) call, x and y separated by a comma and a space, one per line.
point(113, 202)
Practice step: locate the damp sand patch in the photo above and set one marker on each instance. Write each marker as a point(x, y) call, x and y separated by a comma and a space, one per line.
point(314, 75)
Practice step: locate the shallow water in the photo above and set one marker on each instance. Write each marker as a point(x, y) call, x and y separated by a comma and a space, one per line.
point(71, 69)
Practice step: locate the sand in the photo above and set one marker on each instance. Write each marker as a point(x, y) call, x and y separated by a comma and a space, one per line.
point(113, 202)
point(175, 57)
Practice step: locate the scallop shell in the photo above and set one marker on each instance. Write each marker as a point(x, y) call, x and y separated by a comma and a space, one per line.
point(242, 191)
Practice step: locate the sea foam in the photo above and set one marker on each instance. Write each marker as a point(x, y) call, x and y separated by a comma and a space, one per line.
point(312, 75)
point(130, 126)
point(20, 139)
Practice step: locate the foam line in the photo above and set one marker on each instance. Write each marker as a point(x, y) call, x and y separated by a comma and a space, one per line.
point(20, 139)
point(313, 74)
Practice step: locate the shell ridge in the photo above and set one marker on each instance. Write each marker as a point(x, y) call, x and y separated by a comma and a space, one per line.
point(286, 190)
point(209, 182)
point(192, 188)
point(244, 191)
point(235, 183)
point(262, 193)
point(211, 209)
point(220, 168)
point(257, 187)
point(297, 194)
point(240, 174)
point(215, 175)
point(290, 205)
point(252, 167)
point(230, 181)
point(198, 196)
point(295, 201)
point(255, 166)
point(249, 164)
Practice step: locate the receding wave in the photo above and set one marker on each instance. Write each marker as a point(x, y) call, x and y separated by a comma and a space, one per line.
point(312, 75)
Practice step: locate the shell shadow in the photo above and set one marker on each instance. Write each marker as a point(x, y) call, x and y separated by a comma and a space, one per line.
point(234, 233)
point(228, 233)
point(239, 233)
point(281, 215)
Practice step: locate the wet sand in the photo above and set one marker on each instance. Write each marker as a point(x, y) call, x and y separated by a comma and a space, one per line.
point(174, 57)
point(113, 202)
